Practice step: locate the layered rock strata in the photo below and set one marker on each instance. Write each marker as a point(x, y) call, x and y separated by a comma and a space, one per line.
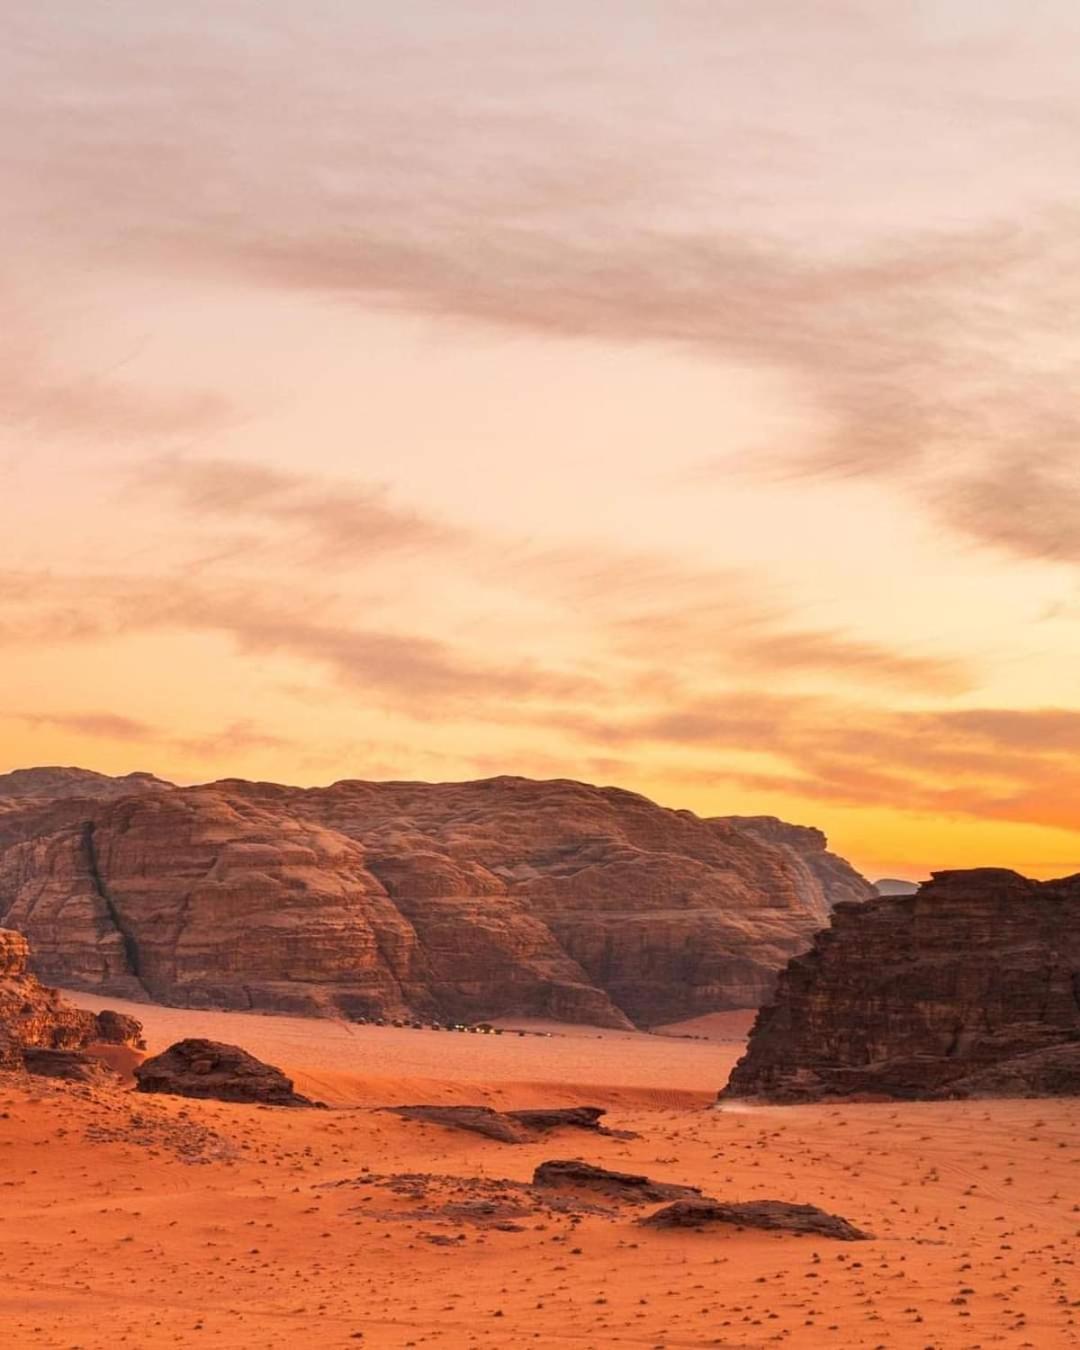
point(456, 902)
point(970, 987)
point(35, 1017)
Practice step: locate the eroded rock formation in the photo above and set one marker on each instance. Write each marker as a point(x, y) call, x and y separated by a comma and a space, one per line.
point(971, 987)
point(628, 1187)
point(769, 1214)
point(459, 902)
point(509, 1127)
point(35, 1017)
point(212, 1069)
point(70, 1066)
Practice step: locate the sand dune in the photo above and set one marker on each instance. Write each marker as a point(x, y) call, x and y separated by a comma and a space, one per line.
point(137, 1221)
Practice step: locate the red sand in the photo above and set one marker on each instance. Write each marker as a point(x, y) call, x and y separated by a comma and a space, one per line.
point(149, 1222)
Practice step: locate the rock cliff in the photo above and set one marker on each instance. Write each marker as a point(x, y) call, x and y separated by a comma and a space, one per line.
point(454, 901)
point(32, 1016)
point(969, 987)
point(838, 879)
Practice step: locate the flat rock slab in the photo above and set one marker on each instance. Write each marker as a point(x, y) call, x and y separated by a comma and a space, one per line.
point(509, 1127)
point(214, 1070)
point(70, 1066)
point(629, 1187)
point(771, 1214)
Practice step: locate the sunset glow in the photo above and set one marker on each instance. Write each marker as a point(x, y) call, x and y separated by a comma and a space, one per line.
point(677, 395)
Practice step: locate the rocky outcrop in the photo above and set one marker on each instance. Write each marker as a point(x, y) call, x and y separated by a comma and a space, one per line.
point(543, 1118)
point(627, 1187)
point(35, 1017)
point(969, 987)
point(455, 902)
point(211, 1069)
point(769, 1214)
point(70, 1066)
point(509, 1127)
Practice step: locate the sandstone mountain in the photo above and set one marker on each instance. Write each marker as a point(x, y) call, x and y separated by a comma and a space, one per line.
point(33, 1017)
point(839, 880)
point(49, 783)
point(452, 901)
point(969, 988)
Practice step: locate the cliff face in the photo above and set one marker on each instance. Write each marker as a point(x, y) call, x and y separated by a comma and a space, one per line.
point(32, 1016)
point(838, 879)
point(456, 901)
point(969, 987)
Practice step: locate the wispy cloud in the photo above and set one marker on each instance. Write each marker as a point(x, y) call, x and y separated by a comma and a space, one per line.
point(586, 201)
point(406, 669)
point(42, 394)
point(338, 520)
point(1015, 765)
point(107, 725)
point(713, 622)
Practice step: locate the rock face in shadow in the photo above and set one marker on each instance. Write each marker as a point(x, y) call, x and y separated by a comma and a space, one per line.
point(70, 1066)
point(34, 1017)
point(211, 1069)
point(971, 987)
point(1054, 1072)
point(454, 902)
point(768, 1214)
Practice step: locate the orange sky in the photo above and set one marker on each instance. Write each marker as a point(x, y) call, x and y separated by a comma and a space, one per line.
point(676, 394)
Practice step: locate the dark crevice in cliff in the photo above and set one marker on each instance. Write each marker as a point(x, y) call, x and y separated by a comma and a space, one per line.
point(389, 964)
point(131, 947)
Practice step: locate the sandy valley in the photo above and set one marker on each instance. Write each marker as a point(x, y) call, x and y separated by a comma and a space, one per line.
point(147, 1221)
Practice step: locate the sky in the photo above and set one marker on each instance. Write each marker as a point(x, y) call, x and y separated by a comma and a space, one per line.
point(676, 394)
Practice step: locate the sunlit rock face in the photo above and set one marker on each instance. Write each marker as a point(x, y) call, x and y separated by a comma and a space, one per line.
point(838, 879)
point(971, 987)
point(413, 900)
point(35, 1017)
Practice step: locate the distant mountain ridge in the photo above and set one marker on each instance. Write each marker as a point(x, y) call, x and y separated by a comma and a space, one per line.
point(895, 886)
point(52, 781)
point(406, 900)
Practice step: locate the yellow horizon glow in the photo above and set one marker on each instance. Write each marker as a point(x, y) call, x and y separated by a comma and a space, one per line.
point(390, 394)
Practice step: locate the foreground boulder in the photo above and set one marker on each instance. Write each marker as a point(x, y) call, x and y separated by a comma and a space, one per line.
point(572, 1175)
point(509, 1127)
point(211, 1069)
point(771, 1214)
point(971, 987)
point(448, 902)
point(34, 1017)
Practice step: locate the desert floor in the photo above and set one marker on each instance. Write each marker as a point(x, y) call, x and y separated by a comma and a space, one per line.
point(130, 1220)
